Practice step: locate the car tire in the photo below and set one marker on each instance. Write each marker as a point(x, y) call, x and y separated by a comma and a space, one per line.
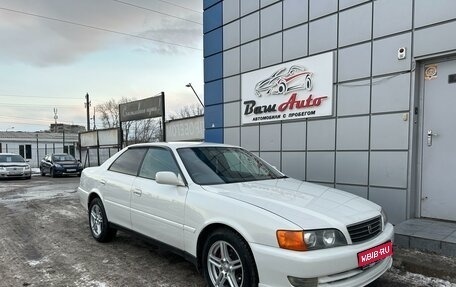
point(52, 173)
point(236, 262)
point(42, 172)
point(98, 222)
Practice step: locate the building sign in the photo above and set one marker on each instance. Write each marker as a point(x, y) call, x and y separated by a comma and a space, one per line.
point(293, 90)
point(142, 109)
point(187, 129)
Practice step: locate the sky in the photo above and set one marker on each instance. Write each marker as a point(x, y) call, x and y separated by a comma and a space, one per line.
point(54, 52)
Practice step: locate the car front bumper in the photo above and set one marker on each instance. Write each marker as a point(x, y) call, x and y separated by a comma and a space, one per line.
point(335, 267)
point(16, 174)
point(67, 170)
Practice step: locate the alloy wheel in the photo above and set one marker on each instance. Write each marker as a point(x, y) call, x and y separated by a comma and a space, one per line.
point(224, 265)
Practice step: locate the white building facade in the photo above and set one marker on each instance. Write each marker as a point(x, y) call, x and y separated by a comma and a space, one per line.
point(34, 146)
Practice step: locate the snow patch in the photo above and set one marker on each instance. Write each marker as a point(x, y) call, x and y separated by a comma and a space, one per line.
point(418, 279)
point(34, 263)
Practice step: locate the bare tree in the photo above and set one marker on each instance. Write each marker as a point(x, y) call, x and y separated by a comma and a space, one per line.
point(187, 111)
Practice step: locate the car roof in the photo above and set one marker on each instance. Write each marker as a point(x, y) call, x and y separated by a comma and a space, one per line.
point(176, 145)
point(8, 153)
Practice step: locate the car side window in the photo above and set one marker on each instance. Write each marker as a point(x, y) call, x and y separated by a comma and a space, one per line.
point(129, 161)
point(158, 159)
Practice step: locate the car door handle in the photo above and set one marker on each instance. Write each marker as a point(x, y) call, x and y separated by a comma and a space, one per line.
point(103, 182)
point(137, 192)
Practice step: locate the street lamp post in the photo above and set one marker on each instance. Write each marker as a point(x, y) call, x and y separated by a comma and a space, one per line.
point(189, 85)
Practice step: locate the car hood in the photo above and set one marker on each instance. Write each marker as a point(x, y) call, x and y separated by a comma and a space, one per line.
point(307, 205)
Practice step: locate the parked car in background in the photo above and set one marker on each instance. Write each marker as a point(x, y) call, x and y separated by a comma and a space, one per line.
point(58, 164)
point(14, 166)
point(238, 219)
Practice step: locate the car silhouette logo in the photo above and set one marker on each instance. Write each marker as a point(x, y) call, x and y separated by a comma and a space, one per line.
point(283, 82)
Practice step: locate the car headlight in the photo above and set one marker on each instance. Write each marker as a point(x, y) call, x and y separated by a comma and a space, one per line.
point(310, 239)
point(384, 218)
point(57, 165)
point(2, 168)
point(27, 167)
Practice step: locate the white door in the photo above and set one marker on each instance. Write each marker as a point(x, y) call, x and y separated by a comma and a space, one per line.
point(158, 210)
point(439, 141)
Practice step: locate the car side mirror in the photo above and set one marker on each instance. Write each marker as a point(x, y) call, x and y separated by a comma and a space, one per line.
point(169, 178)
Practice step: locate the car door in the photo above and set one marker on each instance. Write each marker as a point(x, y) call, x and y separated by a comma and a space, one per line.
point(157, 210)
point(116, 183)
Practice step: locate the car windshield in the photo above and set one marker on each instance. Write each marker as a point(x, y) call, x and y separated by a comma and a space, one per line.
point(62, 157)
point(217, 165)
point(11, 158)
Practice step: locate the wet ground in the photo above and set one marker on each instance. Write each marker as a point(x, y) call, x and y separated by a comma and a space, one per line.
point(45, 241)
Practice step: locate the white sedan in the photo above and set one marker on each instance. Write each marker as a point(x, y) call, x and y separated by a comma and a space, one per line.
point(238, 219)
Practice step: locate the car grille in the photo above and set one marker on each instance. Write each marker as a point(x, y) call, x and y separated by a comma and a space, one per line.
point(365, 230)
point(15, 169)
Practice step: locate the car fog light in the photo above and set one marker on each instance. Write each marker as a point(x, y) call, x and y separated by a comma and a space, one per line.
point(329, 238)
point(303, 282)
point(310, 238)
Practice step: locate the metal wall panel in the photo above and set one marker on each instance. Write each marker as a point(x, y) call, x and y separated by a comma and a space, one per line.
point(388, 169)
point(250, 56)
point(343, 4)
point(319, 8)
point(296, 12)
point(323, 35)
point(232, 136)
point(321, 134)
point(295, 42)
point(390, 131)
point(248, 6)
point(271, 50)
point(431, 12)
point(353, 98)
point(250, 137)
point(231, 10)
point(294, 135)
point(271, 19)
point(353, 31)
point(391, 93)
point(320, 166)
point(354, 62)
point(232, 114)
point(385, 53)
point(352, 167)
point(231, 65)
point(353, 133)
point(435, 39)
point(270, 137)
point(250, 27)
point(398, 13)
point(232, 88)
point(213, 93)
point(294, 164)
point(231, 36)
